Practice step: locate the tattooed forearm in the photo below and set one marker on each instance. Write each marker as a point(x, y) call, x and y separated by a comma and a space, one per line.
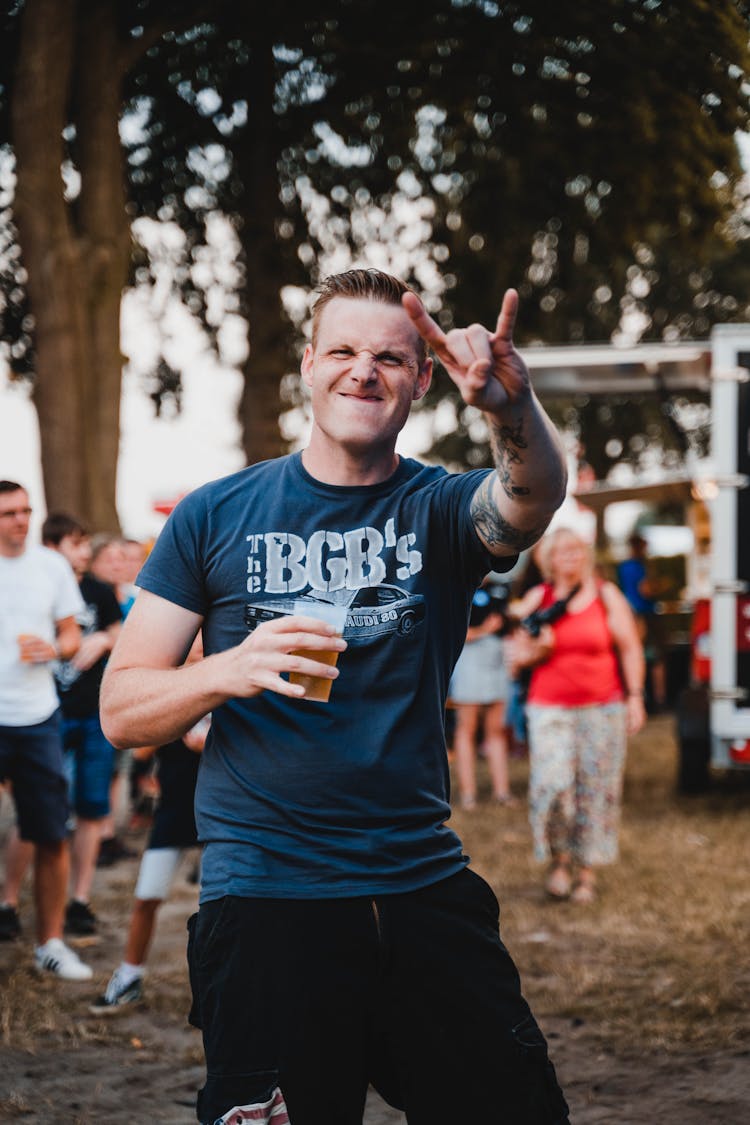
point(507, 441)
point(494, 530)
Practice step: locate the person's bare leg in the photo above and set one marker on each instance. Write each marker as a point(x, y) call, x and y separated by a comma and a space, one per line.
point(584, 891)
point(141, 930)
point(496, 749)
point(109, 824)
point(659, 683)
point(464, 747)
point(51, 872)
point(83, 856)
point(19, 855)
point(559, 879)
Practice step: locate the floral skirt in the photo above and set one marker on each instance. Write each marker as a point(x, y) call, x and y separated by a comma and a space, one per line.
point(577, 759)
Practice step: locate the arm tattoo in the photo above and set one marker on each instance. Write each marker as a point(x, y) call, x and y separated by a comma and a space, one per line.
point(506, 443)
point(493, 528)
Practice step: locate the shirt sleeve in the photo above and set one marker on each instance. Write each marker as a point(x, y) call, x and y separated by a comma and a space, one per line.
point(453, 493)
point(175, 568)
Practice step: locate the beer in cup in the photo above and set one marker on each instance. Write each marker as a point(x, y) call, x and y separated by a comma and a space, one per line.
point(23, 640)
point(318, 688)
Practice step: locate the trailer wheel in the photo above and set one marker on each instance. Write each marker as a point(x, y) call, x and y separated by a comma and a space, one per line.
point(693, 740)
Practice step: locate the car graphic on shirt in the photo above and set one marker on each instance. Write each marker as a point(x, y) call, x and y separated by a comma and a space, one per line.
point(372, 611)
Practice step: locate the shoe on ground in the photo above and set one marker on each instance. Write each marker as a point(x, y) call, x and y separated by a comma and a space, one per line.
point(57, 958)
point(10, 923)
point(80, 919)
point(117, 995)
point(112, 850)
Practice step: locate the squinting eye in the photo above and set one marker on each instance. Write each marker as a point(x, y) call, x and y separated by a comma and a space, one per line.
point(391, 360)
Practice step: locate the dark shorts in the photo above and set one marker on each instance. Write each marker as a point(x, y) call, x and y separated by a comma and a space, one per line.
point(89, 761)
point(32, 759)
point(304, 1003)
point(174, 819)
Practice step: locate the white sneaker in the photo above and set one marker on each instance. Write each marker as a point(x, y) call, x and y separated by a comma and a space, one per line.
point(55, 957)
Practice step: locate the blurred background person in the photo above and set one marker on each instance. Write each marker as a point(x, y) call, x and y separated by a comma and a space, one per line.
point(172, 832)
point(39, 601)
point(642, 589)
point(109, 564)
point(585, 695)
point(478, 692)
point(108, 559)
point(89, 756)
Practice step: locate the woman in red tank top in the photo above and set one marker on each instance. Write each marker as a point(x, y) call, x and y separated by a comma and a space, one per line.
point(585, 697)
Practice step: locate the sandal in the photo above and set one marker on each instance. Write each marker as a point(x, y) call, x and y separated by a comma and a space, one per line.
point(584, 893)
point(506, 799)
point(558, 882)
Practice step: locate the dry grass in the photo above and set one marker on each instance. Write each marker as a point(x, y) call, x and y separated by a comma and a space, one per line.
point(660, 960)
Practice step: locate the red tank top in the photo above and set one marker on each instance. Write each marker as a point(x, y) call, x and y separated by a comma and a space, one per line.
point(582, 669)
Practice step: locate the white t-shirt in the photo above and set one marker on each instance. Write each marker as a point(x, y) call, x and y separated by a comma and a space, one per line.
point(37, 589)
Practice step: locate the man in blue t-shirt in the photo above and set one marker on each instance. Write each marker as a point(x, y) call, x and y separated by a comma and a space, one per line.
point(341, 938)
point(641, 588)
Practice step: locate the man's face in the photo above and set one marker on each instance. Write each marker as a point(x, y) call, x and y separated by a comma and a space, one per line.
point(364, 372)
point(77, 550)
point(15, 512)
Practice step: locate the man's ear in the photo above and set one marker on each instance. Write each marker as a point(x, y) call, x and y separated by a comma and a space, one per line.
point(424, 378)
point(306, 364)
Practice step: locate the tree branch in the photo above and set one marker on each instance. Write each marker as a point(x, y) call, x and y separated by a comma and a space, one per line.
point(135, 49)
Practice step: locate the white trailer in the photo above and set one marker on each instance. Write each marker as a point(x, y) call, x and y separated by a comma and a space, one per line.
point(713, 713)
point(730, 568)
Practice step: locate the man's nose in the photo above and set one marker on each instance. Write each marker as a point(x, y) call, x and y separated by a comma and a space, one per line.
point(364, 366)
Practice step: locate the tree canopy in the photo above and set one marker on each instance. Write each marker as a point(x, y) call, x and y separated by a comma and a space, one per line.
point(583, 151)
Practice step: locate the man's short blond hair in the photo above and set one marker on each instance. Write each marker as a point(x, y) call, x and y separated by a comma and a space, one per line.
point(362, 285)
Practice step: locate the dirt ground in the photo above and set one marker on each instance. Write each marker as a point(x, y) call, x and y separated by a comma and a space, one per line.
point(644, 996)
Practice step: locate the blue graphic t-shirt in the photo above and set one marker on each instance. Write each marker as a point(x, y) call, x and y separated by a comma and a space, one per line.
point(301, 799)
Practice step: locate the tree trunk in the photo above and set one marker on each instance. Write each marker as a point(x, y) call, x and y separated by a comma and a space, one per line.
point(76, 254)
point(269, 328)
point(104, 240)
point(50, 251)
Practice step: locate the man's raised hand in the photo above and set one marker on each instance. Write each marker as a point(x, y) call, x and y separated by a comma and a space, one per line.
point(485, 366)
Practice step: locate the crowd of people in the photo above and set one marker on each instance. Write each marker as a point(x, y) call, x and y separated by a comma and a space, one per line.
point(62, 604)
point(333, 892)
point(569, 652)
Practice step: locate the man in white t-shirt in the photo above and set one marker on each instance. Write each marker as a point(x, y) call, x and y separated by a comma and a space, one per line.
point(39, 600)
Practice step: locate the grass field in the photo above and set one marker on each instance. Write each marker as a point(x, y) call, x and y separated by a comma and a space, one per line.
point(662, 956)
point(645, 995)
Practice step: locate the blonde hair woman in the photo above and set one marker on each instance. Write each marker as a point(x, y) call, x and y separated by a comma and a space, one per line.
point(585, 696)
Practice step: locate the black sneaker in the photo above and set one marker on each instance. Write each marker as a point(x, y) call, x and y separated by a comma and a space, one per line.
point(117, 995)
point(112, 850)
point(10, 923)
point(79, 919)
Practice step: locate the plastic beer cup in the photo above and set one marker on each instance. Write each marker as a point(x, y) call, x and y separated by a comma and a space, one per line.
point(318, 688)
